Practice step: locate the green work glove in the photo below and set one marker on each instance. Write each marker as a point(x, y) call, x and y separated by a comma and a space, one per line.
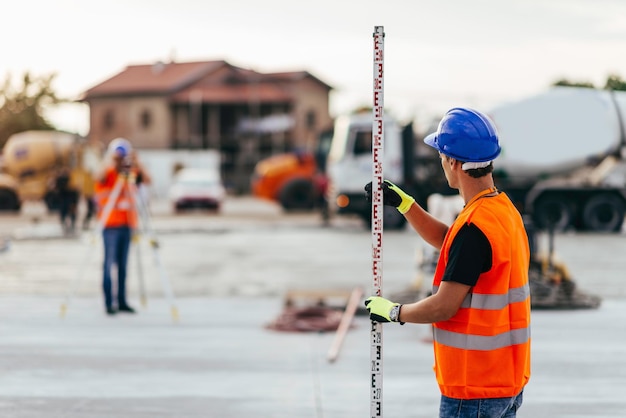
point(392, 196)
point(380, 309)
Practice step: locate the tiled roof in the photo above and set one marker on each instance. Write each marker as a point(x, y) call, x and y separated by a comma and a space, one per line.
point(294, 76)
point(154, 78)
point(181, 79)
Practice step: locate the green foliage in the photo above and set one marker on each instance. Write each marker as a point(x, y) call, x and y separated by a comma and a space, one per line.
point(613, 82)
point(567, 83)
point(21, 106)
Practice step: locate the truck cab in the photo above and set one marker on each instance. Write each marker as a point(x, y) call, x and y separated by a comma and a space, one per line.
point(349, 165)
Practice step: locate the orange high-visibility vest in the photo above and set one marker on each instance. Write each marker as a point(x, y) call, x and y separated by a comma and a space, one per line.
point(483, 351)
point(123, 212)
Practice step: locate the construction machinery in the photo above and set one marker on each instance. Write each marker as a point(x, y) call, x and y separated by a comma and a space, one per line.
point(562, 160)
point(32, 161)
point(552, 286)
point(296, 180)
point(288, 179)
point(406, 162)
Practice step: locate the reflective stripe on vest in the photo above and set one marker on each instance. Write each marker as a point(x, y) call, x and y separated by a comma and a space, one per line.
point(493, 302)
point(123, 212)
point(482, 342)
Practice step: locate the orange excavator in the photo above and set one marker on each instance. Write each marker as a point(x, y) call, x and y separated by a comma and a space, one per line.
point(296, 180)
point(290, 179)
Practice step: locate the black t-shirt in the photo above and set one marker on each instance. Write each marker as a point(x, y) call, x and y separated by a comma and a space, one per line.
point(470, 255)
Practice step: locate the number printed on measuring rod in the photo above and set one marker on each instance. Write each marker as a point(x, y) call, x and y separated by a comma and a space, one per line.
point(377, 99)
point(376, 392)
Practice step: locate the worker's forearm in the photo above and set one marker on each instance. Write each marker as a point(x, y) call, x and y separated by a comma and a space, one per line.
point(432, 230)
point(440, 306)
point(425, 311)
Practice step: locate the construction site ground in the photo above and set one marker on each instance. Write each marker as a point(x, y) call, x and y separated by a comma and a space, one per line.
point(230, 273)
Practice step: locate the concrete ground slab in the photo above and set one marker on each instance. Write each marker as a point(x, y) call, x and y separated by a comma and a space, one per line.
point(219, 360)
point(229, 273)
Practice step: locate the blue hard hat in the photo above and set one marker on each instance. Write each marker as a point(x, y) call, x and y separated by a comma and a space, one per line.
point(120, 147)
point(466, 135)
point(121, 151)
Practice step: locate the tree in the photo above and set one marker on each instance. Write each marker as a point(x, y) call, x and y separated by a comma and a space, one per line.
point(567, 83)
point(615, 82)
point(21, 106)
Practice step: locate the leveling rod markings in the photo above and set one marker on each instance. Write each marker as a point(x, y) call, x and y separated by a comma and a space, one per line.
point(376, 349)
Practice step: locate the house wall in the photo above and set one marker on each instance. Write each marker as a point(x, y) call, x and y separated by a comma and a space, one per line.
point(166, 126)
point(127, 118)
point(309, 96)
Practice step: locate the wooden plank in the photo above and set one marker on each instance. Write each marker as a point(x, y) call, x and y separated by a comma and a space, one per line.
point(344, 324)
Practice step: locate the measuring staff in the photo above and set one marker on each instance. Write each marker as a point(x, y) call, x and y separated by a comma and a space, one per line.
point(376, 337)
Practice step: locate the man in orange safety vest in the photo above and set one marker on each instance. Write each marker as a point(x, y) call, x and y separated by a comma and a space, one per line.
point(119, 218)
point(480, 306)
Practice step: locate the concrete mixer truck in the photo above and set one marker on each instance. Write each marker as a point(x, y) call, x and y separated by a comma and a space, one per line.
point(562, 162)
point(31, 163)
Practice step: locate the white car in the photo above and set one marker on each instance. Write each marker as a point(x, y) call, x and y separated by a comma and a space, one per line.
point(197, 188)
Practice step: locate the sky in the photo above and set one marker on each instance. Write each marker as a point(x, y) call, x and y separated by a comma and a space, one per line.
point(437, 53)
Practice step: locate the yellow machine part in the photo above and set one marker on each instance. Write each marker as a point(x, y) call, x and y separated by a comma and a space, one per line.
point(34, 158)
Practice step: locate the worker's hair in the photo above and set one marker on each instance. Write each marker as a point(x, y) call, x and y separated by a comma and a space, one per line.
point(479, 172)
point(474, 172)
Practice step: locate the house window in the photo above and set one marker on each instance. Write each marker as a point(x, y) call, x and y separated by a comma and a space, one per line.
point(109, 120)
point(310, 119)
point(146, 119)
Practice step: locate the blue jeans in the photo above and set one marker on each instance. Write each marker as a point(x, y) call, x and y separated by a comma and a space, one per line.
point(480, 408)
point(116, 246)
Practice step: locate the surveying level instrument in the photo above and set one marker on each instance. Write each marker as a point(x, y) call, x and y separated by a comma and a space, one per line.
point(145, 226)
point(376, 338)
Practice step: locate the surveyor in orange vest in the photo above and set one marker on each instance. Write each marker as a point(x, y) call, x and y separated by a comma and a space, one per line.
point(118, 218)
point(480, 306)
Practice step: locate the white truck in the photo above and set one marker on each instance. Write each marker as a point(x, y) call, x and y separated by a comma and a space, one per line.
point(405, 163)
point(562, 160)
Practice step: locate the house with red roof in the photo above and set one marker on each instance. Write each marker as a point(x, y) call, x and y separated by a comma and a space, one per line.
point(245, 114)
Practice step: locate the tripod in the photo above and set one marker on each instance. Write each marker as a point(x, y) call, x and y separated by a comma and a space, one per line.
point(141, 209)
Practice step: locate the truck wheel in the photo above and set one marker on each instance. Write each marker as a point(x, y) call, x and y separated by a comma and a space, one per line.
point(604, 213)
point(298, 194)
point(9, 201)
point(552, 212)
point(51, 200)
